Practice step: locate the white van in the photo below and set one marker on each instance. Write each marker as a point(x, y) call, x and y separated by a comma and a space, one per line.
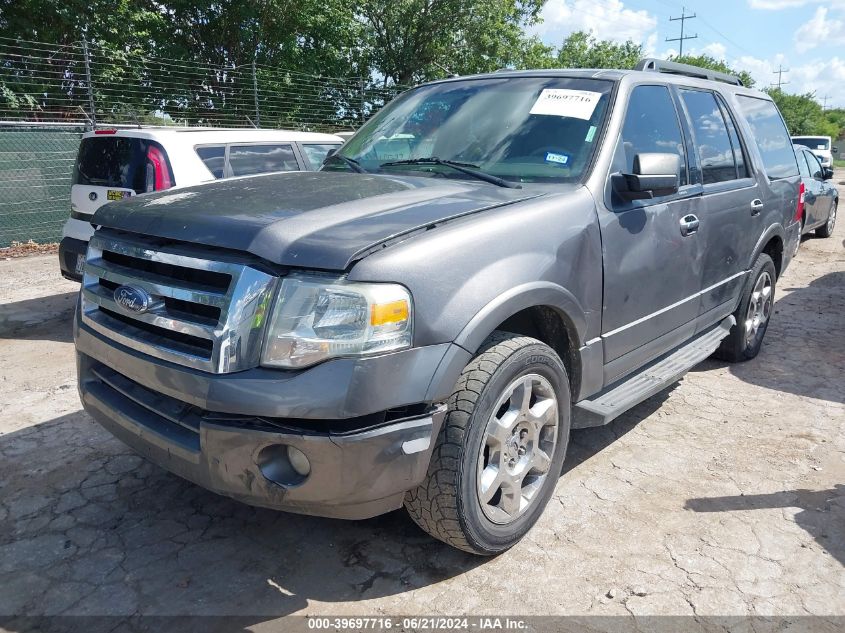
point(820, 146)
point(113, 164)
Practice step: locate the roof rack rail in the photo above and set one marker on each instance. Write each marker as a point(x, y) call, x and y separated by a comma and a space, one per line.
point(674, 68)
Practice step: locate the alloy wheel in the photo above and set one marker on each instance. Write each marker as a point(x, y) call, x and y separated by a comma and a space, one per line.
point(517, 449)
point(759, 308)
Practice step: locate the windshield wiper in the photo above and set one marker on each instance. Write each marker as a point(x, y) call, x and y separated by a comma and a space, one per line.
point(467, 168)
point(353, 164)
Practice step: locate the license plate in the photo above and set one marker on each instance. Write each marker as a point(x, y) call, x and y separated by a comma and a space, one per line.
point(80, 264)
point(116, 194)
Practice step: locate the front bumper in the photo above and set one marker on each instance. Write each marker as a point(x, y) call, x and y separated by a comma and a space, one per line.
point(70, 250)
point(359, 466)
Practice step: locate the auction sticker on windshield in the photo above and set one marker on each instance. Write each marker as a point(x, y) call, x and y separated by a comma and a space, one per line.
point(577, 104)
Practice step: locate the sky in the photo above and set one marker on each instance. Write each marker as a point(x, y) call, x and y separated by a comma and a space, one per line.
point(805, 36)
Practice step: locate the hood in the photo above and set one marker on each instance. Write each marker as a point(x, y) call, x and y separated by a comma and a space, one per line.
point(322, 220)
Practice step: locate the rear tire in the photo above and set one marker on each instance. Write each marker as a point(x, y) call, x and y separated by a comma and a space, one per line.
point(826, 229)
point(500, 451)
point(752, 316)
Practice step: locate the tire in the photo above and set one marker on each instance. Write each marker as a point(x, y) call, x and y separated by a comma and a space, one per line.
point(448, 503)
point(826, 229)
point(740, 345)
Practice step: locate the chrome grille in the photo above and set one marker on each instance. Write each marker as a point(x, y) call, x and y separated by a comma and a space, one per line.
point(205, 314)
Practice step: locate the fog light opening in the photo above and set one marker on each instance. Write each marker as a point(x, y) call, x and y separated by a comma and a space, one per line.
point(283, 464)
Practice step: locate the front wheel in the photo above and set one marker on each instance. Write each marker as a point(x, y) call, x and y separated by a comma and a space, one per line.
point(826, 230)
point(752, 315)
point(500, 451)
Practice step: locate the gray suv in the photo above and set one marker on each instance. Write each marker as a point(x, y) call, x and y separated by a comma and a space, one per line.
point(490, 262)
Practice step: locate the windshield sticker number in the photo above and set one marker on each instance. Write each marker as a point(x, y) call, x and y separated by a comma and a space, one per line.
point(577, 104)
point(559, 159)
point(590, 134)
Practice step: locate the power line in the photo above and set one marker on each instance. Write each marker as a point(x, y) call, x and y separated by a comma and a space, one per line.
point(779, 72)
point(684, 17)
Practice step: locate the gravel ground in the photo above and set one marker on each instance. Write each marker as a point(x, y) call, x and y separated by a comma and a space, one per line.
point(723, 495)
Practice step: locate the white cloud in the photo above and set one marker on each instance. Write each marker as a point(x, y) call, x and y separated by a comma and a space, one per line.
point(609, 20)
point(820, 29)
point(777, 5)
point(716, 50)
point(824, 76)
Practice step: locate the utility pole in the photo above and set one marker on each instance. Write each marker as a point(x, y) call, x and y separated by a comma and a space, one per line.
point(684, 17)
point(824, 102)
point(779, 72)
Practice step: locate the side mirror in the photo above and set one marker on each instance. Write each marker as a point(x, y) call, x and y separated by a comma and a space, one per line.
point(835, 150)
point(654, 175)
point(331, 152)
point(827, 173)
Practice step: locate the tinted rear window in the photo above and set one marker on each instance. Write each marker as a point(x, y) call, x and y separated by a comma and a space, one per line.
point(112, 162)
point(770, 135)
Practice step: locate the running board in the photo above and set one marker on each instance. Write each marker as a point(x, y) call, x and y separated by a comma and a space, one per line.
point(651, 379)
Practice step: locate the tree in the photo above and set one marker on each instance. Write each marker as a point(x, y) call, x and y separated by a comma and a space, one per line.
point(803, 114)
point(416, 40)
point(706, 61)
point(578, 50)
point(582, 50)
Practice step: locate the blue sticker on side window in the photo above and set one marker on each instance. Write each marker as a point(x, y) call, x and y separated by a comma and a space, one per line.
point(560, 159)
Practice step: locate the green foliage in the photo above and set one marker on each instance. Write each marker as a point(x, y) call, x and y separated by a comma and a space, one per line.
point(579, 50)
point(706, 61)
point(582, 50)
point(416, 40)
point(804, 115)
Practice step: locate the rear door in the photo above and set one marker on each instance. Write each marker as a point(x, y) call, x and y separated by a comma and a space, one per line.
point(652, 271)
point(111, 167)
point(776, 166)
point(731, 205)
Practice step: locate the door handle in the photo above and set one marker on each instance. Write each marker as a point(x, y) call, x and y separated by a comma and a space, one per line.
point(756, 206)
point(689, 224)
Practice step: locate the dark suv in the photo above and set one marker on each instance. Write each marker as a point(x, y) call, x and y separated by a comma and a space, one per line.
point(488, 263)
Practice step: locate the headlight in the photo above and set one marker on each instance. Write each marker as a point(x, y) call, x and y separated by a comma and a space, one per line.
point(316, 318)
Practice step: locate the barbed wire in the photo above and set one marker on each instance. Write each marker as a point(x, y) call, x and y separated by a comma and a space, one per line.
point(44, 82)
point(47, 102)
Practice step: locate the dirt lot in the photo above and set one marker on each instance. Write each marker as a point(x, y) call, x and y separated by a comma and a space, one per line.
point(721, 496)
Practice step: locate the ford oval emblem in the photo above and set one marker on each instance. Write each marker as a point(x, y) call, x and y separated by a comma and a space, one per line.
point(92, 196)
point(132, 299)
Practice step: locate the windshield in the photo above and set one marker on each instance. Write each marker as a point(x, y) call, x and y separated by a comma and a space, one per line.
point(813, 142)
point(525, 129)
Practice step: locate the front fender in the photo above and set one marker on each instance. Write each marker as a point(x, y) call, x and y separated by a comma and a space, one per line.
point(539, 293)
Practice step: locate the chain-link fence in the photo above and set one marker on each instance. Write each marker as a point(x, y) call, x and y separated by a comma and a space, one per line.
point(35, 168)
point(50, 94)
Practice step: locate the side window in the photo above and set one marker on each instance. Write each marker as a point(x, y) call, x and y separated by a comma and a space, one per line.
point(803, 166)
point(214, 158)
point(711, 136)
point(316, 152)
point(770, 135)
point(739, 156)
point(651, 125)
point(814, 164)
point(245, 160)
